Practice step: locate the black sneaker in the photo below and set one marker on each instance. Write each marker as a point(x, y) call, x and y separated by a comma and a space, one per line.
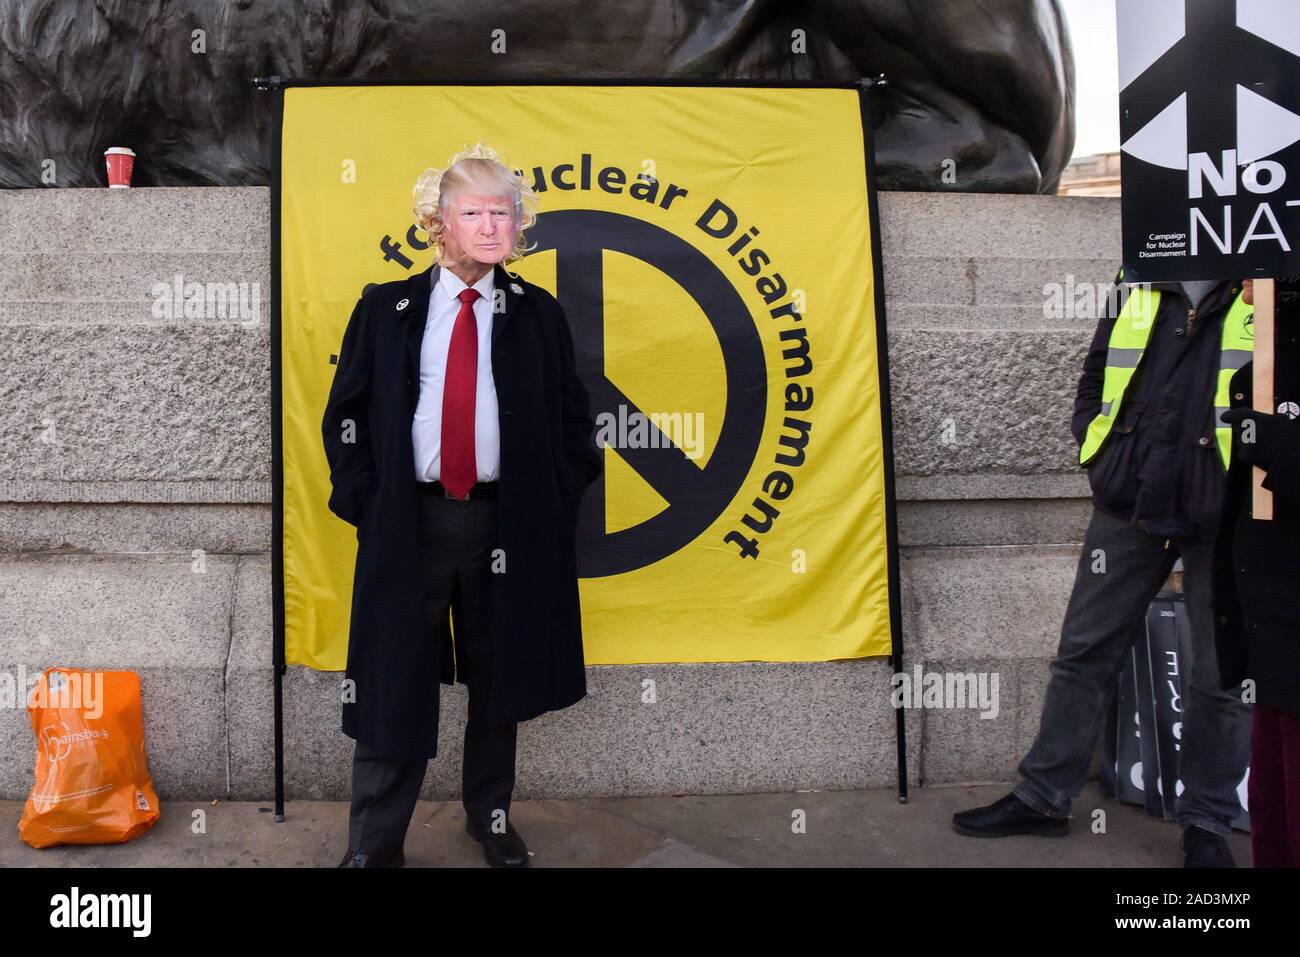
point(1008, 817)
point(1203, 848)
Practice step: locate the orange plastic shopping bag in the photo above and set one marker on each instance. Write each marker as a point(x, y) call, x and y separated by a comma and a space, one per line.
point(92, 780)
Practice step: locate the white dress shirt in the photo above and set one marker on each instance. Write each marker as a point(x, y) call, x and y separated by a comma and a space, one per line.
point(426, 428)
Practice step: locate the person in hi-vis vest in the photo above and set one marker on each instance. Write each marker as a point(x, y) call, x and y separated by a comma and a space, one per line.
point(1148, 420)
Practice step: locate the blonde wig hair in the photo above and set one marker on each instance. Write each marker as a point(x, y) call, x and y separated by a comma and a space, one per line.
point(477, 167)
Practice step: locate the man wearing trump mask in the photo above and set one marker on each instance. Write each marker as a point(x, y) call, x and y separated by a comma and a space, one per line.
point(459, 441)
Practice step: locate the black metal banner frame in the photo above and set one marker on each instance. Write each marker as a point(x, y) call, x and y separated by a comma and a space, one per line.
point(276, 85)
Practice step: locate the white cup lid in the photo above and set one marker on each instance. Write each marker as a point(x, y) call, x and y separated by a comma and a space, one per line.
point(120, 150)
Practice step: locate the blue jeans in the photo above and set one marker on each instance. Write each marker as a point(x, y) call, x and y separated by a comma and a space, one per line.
point(1105, 615)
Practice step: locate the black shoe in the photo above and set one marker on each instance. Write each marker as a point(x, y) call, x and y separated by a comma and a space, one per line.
point(500, 850)
point(1007, 817)
point(358, 859)
point(1202, 848)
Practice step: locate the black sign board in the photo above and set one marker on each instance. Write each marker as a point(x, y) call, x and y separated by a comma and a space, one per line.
point(1145, 730)
point(1210, 131)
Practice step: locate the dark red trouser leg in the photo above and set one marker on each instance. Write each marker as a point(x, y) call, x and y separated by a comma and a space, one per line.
point(1274, 788)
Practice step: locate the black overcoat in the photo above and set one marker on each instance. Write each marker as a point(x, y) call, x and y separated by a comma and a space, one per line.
point(548, 458)
point(1257, 563)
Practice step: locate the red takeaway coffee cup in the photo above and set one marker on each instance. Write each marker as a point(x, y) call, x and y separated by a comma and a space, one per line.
point(120, 162)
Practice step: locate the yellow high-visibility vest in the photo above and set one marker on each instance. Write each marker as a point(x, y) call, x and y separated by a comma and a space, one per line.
point(1128, 341)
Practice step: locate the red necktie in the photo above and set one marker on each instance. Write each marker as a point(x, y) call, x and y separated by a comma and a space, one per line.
point(459, 471)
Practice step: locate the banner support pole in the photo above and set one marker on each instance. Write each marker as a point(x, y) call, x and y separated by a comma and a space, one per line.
point(274, 85)
point(865, 86)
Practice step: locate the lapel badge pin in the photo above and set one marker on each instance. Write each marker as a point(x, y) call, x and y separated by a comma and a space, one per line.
point(403, 304)
point(517, 289)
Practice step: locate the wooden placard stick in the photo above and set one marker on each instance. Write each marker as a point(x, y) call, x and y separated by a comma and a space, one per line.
point(1261, 503)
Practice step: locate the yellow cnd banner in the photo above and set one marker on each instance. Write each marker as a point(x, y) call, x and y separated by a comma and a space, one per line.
point(714, 250)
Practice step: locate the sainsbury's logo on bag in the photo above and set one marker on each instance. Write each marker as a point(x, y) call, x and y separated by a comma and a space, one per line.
point(59, 739)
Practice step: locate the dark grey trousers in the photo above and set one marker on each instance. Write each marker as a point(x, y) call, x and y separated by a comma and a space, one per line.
point(1105, 615)
point(457, 565)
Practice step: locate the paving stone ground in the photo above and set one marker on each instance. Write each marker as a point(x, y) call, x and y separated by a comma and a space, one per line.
point(843, 829)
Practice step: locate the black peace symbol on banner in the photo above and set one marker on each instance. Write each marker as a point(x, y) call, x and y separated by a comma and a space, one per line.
point(696, 495)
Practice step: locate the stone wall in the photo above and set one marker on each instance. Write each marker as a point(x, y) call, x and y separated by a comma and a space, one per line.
point(134, 444)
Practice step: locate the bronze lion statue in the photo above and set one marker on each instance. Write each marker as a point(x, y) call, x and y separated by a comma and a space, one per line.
point(981, 92)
